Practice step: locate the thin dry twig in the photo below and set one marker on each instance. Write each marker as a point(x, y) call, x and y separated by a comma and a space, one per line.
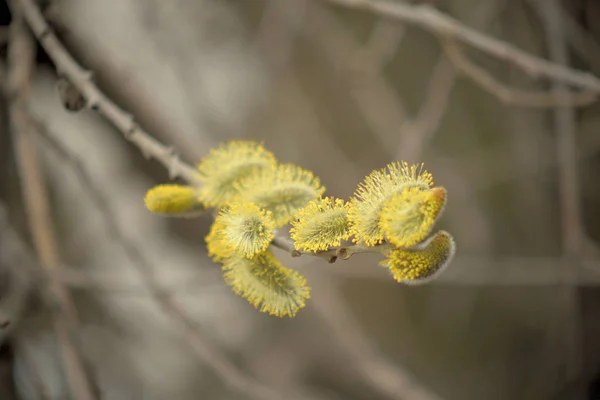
point(507, 94)
point(416, 133)
point(96, 100)
point(379, 103)
point(381, 46)
point(21, 61)
point(427, 17)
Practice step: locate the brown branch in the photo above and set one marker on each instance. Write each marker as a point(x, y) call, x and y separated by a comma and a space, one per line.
point(96, 100)
point(381, 46)
point(21, 61)
point(427, 17)
point(507, 94)
point(416, 133)
point(379, 103)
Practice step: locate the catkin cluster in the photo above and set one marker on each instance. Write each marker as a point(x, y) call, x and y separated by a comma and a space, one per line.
point(394, 208)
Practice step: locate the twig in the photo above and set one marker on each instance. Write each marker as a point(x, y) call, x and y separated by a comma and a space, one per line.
point(430, 19)
point(380, 47)
point(96, 100)
point(510, 95)
point(417, 133)
point(379, 103)
point(21, 58)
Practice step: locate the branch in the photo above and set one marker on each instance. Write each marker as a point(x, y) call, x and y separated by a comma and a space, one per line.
point(429, 18)
point(96, 100)
point(21, 61)
point(507, 94)
point(416, 133)
point(331, 255)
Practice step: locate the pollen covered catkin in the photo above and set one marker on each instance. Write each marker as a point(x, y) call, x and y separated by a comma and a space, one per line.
point(393, 212)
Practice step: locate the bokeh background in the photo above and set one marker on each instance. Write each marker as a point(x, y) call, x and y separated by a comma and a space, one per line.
point(339, 91)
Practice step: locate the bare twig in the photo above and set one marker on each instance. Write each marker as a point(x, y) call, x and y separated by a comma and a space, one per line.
point(381, 46)
point(21, 59)
point(507, 94)
point(379, 103)
point(417, 133)
point(96, 100)
point(443, 25)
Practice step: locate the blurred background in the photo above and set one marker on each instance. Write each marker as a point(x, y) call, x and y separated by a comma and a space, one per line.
point(340, 91)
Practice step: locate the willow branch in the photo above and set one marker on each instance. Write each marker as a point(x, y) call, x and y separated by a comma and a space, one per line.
point(507, 94)
point(331, 255)
point(21, 61)
point(81, 80)
point(427, 17)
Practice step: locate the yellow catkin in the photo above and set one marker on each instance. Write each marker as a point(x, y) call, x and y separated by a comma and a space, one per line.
point(246, 229)
point(283, 191)
point(420, 265)
point(267, 285)
point(320, 225)
point(374, 190)
point(173, 200)
point(218, 248)
point(408, 217)
point(229, 163)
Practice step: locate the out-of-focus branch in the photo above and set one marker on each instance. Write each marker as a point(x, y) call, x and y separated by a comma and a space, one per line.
point(96, 100)
point(564, 122)
point(380, 47)
point(427, 17)
point(379, 103)
point(416, 133)
point(21, 61)
point(509, 95)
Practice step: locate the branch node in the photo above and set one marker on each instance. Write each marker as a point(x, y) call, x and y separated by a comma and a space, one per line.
point(173, 162)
